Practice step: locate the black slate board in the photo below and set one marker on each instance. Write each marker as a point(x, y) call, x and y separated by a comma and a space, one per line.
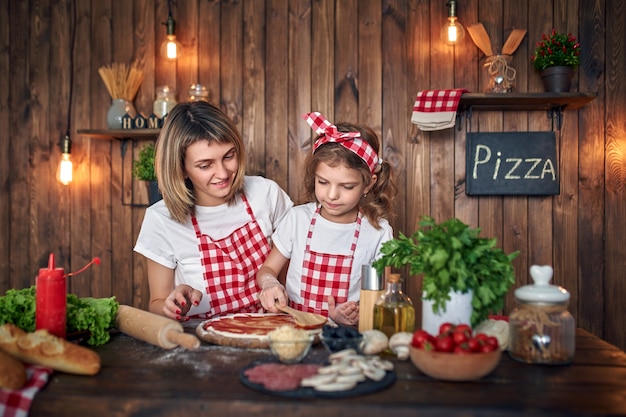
point(366, 387)
point(512, 163)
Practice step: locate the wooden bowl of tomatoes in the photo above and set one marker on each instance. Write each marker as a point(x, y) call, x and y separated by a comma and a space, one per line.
point(455, 354)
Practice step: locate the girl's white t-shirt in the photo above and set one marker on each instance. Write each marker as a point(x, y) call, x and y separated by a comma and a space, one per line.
point(175, 245)
point(328, 237)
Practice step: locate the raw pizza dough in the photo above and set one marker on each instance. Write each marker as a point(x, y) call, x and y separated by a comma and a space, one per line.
point(247, 330)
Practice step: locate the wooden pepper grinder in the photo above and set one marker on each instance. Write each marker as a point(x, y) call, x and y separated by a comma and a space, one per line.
point(51, 299)
point(372, 287)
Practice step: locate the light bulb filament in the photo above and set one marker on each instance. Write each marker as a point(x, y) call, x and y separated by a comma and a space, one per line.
point(65, 169)
point(172, 47)
point(452, 31)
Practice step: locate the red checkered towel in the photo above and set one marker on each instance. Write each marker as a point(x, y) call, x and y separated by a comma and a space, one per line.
point(17, 403)
point(436, 109)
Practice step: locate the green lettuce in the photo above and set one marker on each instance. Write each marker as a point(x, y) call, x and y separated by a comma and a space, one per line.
point(94, 315)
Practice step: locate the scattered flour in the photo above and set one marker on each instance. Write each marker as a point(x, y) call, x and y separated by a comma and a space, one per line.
point(195, 360)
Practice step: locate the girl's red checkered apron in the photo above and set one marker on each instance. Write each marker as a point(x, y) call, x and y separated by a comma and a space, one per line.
point(325, 274)
point(230, 265)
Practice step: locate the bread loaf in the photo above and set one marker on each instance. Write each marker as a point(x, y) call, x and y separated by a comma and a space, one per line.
point(45, 349)
point(12, 372)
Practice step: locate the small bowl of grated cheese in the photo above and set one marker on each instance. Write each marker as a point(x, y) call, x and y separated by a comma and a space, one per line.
point(290, 345)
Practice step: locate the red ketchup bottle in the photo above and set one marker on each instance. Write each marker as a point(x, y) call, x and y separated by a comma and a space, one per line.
point(51, 299)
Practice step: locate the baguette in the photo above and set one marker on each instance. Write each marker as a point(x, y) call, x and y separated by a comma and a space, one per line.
point(44, 349)
point(12, 372)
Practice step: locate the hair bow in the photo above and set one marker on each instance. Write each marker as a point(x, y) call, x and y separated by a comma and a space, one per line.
point(349, 140)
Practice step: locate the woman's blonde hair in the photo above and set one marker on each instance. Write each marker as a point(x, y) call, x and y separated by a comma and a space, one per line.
point(379, 201)
point(188, 123)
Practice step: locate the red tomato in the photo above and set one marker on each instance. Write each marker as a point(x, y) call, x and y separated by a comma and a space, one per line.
point(429, 345)
point(444, 343)
point(462, 348)
point(420, 337)
point(492, 341)
point(463, 328)
point(460, 337)
point(446, 328)
point(473, 344)
point(481, 337)
point(487, 348)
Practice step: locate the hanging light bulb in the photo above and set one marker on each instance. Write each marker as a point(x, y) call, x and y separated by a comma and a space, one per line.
point(171, 49)
point(64, 173)
point(452, 32)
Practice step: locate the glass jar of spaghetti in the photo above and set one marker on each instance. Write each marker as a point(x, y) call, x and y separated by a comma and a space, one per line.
point(542, 329)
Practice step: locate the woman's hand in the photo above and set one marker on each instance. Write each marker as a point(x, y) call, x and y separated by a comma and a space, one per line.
point(180, 300)
point(346, 313)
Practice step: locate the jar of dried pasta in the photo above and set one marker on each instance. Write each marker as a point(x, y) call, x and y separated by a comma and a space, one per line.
point(542, 329)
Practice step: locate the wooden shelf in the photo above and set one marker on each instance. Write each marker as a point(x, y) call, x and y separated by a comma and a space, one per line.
point(119, 134)
point(125, 136)
point(524, 101)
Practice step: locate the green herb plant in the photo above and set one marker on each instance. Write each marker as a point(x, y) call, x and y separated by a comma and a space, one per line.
point(143, 167)
point(557, 49)
point(452, 257)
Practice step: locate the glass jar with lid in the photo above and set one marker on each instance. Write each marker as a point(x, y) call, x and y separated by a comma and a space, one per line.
point(164, 102)
point(198, 92)
point(542, 329)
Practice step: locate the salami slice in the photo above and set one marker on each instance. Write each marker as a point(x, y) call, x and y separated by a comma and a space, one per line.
point(280, 377)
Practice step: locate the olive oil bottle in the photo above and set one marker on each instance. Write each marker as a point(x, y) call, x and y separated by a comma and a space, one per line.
point(394, 311)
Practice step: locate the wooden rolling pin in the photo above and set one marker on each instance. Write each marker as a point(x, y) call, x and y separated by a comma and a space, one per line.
point(154, 329)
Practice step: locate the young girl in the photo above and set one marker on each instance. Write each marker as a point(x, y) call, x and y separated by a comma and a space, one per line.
point(327, 240)
point(207, 238)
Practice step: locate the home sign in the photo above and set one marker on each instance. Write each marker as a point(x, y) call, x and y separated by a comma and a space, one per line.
point(512, 163)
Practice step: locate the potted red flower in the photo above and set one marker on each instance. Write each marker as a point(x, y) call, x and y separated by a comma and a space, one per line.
point(555, 57)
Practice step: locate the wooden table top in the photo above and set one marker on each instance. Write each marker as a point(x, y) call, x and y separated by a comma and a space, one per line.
point(140, 379)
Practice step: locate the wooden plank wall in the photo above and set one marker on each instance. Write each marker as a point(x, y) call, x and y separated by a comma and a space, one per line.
point(267, 62)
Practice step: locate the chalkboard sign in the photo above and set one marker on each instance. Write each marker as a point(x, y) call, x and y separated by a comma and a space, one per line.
point(512, 163)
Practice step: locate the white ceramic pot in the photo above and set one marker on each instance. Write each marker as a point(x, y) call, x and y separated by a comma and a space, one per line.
point(457, 310)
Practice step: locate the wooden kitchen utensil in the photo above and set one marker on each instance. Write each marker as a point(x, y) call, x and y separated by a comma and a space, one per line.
point(303, 318)
point(479, 35)
point(513, 41)
point(154, 329)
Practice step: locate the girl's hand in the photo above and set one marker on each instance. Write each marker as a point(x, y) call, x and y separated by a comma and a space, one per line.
point(272, 293)
point(345, 313)
point(178, 303)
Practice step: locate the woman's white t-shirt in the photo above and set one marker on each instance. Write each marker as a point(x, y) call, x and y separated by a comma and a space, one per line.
point(175, 245)
point(328, 237)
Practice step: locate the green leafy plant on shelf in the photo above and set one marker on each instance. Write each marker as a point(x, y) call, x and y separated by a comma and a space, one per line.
point(143, 167)
point(453, 257)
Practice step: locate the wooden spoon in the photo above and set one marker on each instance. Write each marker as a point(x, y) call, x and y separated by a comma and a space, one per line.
point(303, 318)
point(513, 41)
point(479, 35)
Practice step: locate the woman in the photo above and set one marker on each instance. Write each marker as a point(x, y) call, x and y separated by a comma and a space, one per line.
point(207, 238)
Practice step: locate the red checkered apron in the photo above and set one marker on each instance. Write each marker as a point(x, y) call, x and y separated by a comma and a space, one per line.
point(325, 274)
point(230, 266)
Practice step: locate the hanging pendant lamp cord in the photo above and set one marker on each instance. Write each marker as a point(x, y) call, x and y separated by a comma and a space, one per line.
point(71, 89)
